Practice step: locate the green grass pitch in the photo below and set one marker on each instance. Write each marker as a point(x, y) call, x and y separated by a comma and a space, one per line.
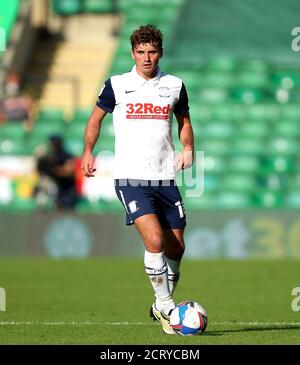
point(106, 301)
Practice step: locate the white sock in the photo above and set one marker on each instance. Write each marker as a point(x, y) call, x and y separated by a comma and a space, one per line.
point(157, 271)
point(173, 273)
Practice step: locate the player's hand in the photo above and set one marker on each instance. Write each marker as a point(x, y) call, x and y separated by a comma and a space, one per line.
point(184, 159)
point(87, 165)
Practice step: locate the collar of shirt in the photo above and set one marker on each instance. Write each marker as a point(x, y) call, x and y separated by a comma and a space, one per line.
point(139, 81)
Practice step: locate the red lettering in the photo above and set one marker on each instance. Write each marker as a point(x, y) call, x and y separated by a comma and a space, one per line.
point(157, 109)
point(166, 109)
point(147, 111)
point(130, 108)
point(139, 108)
point(148, 107)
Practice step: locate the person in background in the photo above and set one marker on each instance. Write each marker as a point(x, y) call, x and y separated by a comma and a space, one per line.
point(59, 165)
point(15, 106)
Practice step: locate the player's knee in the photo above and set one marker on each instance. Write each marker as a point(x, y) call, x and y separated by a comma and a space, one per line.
point(155, 242)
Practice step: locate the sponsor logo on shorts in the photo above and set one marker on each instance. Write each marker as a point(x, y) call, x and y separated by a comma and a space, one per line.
point(181, 210)
point(133, 207)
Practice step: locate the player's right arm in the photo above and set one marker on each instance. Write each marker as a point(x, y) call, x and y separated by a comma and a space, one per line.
point(105, 104)
point(91, 135)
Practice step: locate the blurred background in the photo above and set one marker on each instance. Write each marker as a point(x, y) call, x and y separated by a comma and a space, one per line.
point(240, 63)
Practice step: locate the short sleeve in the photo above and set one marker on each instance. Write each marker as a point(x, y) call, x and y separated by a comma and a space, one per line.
point(106, 98)
point(182, 105)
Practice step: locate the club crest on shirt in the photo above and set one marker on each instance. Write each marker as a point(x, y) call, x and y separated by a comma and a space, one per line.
point(164, 92)
point(133, 207)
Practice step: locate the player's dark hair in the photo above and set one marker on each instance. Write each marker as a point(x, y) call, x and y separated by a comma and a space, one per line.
point(147, 34)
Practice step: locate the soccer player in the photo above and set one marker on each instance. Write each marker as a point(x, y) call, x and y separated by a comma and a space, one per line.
point(143, 102)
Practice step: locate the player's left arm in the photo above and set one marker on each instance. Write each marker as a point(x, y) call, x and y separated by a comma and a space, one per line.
point(186, 136)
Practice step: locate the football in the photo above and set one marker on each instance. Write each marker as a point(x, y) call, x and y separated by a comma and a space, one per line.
point(189, 318)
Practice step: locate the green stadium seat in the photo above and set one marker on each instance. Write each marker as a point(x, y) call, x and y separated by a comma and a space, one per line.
point(272, 181)
point(134, 3)
point(197, 129)
point(214, 164)
point(228, 112)
point(122, 64)
point(247, 146)
point(247, 95)
point(34, 144)
point(233, 200)
point(12, 130)
point(267, 199)
point(292, 199)
point(51, 114)
point(287, 128)
point(239, 182)
point(206, 201)
point(294, 181)
point(97, 6)
point(286, 79)
point(215, 146)
point(67, 7)
point(216, 79)
point(8, 14)
point(284, 145)
point(277, 164)
point(113, 206)
point(13, 146)
point(199, 112)
point(254, 65)
point(262, 111)
point(85, 206)
point(105, 144)
point(75, 130)
point(221, 64)
point(255, 129)
point(107, 128)
point(212, 182)
point(22, 206)
point(250, 79)
point(191, 80)
point(217, 130)
point(243, 164)
point(74, 145)
point(44, 129)
point(290, 111)
point(148, 14)
point(212, 95)
point(81, 115)
point(98, 207)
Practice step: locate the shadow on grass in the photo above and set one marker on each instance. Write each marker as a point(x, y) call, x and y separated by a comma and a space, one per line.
point(251, 329)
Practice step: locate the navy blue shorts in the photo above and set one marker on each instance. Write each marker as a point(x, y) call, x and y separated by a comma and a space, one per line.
point(160, 197)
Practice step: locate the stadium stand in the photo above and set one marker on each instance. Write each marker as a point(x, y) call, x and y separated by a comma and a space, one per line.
point(8, 14)
point(244, 99)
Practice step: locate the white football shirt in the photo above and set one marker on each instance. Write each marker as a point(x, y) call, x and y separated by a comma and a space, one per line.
point(143, 117)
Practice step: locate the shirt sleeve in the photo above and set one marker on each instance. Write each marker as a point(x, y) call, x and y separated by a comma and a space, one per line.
point(182, 105)
point(106, 98)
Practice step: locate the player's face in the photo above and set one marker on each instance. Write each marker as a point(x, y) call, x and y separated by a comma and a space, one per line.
point(146, 57)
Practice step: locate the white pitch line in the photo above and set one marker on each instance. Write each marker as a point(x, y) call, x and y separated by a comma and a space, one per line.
point(88, 323)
